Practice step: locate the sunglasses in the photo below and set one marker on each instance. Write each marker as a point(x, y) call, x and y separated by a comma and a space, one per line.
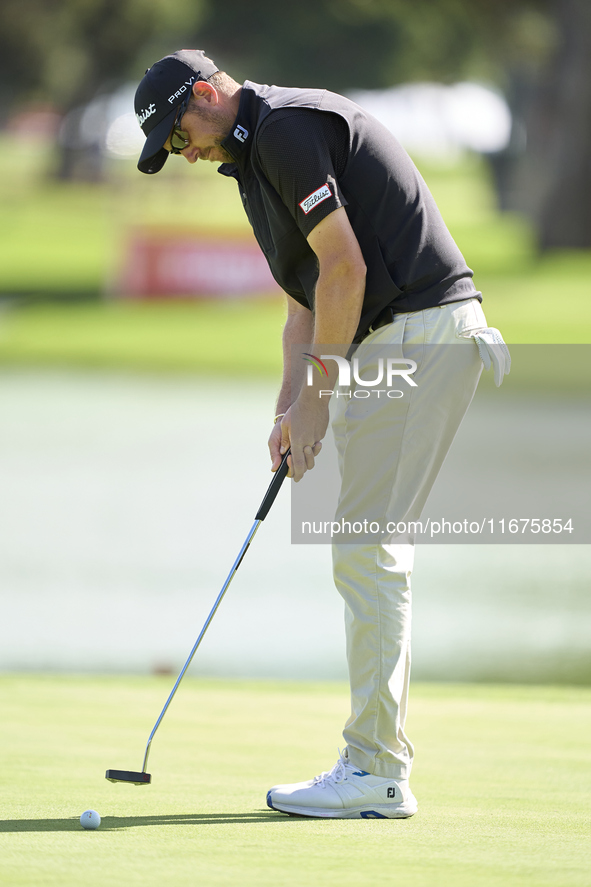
point(179, 139)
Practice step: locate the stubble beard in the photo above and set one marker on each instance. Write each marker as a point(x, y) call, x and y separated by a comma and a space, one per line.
point(222, 127)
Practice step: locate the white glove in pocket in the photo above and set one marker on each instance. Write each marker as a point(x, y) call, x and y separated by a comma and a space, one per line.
point(493, 352)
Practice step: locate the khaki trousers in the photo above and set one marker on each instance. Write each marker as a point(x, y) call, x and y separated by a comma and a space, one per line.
point(390, 453)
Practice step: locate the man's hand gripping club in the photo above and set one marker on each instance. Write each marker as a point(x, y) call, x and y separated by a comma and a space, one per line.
point(302, 428)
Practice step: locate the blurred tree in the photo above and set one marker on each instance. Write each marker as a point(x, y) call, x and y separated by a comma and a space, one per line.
point(346, 44)
point(546, 75)
point(537, 51)
point(66, 51)
point(557, 164)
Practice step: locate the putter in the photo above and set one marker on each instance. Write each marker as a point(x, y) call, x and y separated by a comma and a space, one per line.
point(141, 777)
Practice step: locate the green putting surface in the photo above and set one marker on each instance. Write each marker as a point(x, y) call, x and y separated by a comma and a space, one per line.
point(503, 778)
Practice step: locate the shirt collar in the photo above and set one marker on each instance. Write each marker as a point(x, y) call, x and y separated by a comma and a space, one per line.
point(239, 141)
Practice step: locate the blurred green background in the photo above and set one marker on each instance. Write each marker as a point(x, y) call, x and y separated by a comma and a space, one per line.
point(61, 247)
point(520, 215)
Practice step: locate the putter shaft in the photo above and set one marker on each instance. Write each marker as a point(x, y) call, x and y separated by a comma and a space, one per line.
point(261, 514)
point(218, 601)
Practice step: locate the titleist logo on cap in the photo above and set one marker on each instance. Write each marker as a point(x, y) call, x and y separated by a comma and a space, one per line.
point(147, 112)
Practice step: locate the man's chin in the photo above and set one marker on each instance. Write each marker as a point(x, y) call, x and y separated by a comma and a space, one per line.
point(219, 155)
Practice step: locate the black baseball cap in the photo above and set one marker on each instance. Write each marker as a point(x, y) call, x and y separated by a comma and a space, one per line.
point(165, 86)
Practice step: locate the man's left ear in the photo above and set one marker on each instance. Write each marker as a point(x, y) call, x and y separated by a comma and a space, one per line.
point(204, 90)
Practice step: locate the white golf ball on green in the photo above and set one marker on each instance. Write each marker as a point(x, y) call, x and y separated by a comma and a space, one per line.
point(90, 819)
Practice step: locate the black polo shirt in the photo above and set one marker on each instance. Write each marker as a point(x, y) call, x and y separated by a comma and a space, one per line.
point(299, 155)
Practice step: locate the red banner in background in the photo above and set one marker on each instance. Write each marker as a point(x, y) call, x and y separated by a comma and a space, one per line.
point(160, 264)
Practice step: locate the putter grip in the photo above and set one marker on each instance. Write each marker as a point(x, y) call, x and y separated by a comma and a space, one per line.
point(274, 488)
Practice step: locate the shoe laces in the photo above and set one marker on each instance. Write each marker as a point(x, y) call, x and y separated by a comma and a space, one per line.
point(338, 773)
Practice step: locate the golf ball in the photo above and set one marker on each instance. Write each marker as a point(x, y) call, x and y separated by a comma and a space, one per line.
point(90, 819)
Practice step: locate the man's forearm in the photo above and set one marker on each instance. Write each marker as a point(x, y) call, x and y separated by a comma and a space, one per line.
point(339, 297)
point(298, 330)
point(338, 300)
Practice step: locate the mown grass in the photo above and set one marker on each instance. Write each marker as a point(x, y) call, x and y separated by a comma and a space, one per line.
point(221, 339)
point(503, 801)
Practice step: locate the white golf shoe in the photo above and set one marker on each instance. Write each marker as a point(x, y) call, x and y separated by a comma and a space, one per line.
point(345, 792)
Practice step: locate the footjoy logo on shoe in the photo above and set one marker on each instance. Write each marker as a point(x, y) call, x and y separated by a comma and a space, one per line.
point(391, 792)
point(387, 369)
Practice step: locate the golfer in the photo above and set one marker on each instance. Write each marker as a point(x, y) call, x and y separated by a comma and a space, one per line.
point(354, 238)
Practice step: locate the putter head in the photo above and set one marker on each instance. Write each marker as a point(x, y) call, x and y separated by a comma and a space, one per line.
point(128, 776)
